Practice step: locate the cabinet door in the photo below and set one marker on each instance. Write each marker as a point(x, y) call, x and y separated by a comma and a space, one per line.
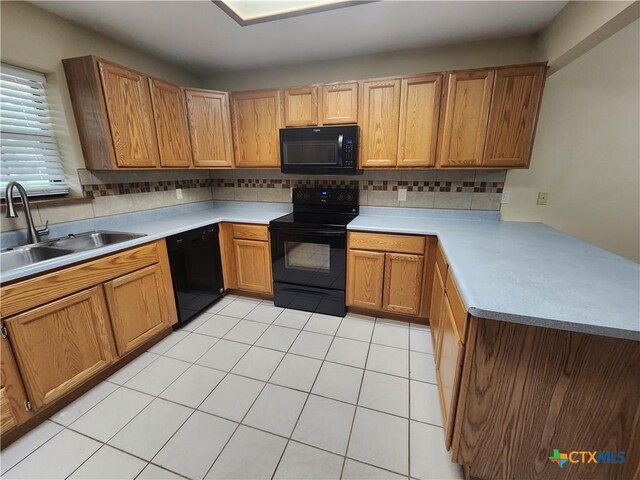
point(435, 320)
point(402, 283)
point(301, 106)
point(12, 394)
point(379, 118)
point(256, 124)
point(465, 120)
point(210, 128)
point(365, 276)
point(419, 113)
point(171, 124)
point(60, 345)
point(339, 103)
point(449, 369)
point(253, 265)
point(128, 102)
point(137, 306)
point(514, 112)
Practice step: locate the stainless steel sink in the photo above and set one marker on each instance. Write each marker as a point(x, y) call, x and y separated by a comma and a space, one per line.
point(23, 256)
point(91, 240)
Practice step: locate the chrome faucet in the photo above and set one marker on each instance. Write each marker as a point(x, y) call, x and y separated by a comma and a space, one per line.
point(33, 232)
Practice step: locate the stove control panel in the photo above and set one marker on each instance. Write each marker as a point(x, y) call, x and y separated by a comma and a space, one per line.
point(325, 196)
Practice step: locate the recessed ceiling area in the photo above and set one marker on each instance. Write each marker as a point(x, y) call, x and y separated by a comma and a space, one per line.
point(200, 37)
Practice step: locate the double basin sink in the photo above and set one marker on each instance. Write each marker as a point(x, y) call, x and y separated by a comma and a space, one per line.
point(38, 252)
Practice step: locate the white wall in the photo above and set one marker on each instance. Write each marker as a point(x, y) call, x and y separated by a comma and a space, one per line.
point(587, 149)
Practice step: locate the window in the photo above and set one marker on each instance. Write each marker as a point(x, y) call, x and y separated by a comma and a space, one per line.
point(28, 149)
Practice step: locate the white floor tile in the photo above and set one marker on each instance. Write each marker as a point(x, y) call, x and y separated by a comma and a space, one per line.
point(320, 323)
point(292, 319)
point(234, 463)
point(169, 341)
point(380, 439)
point(259, 363)
point(191, 348)
point(134, 367)
point(276, 410)
point(194, 448)
point(296, 372)
point(194, 323)
point(264, 313)
point(339, 382)
point(151, 472)
point(348, 352)
point(425, 403)
point(422, 367)
point(390, 334)
point(246, 331)
point(325, 423)
point(109, 464)
point(223, 355)
point(239, 308)
point(158, 376)
point(361, 471)
point(429, 457)
point(386, 393)
point(278, 338)
point(220, 304)
point(193, 386)
point(105, 419)
point(233, 397)
point(393, 361)
point(55, 459)
point(22, 447)
point(356, 327)
point(145, 435)
point(301, 462)
point(217, 326)
point(420, 340)
point(311, 344)
point(82, 405)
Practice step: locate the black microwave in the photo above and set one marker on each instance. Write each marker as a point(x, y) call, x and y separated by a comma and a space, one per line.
point(320, 150)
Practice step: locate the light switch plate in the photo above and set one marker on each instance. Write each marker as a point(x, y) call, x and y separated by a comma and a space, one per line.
point(542, 198)
point(505, 196)
point(402, 194)
point(179, 193)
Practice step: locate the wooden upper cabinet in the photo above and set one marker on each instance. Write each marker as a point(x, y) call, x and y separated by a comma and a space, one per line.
point(171, 124)
point(365, 278)
point(419, 113)
point(128, 103)
point(12, 393)
point(402, 283)
point(60, 345)
point(256, 128)
point(339, 103)
point(301, 106)
point(379, 119)
point(514, 112)
point(466, 113)
point(210, 128)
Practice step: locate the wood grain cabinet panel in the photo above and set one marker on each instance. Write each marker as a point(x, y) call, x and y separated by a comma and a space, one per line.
point(339, 103)
point(466, 114)
point(379, 119)
point(514, 111)
point(62, 344)
point(253, 265)
point(435, 318)
point(128, 104)
point(365, 278)
point(301, 106)
point(172, 130)
point(210, 128)
point(256, 126)
point(402, 283)
point(12, 393)
point(138, 309)
point(419, 113)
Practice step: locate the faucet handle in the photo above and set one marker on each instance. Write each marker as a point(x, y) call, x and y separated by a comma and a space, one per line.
point(44, 230)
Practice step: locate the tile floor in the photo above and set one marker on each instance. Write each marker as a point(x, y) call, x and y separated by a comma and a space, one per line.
point(250, 391)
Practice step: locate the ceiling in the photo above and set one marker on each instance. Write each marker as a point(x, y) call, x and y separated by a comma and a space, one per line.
point(199, 36)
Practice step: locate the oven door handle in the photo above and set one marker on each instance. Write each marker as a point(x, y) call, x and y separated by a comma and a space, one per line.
point(317, 233)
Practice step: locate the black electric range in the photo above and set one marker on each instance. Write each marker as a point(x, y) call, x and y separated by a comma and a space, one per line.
point(309, 250)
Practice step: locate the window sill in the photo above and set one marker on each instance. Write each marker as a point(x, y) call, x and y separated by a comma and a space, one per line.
point(49, 202)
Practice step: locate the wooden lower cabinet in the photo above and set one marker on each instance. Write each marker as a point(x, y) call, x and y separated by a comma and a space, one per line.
point(13, 410)
point(435, 317)
point(402, 283)
point(253, 265)
point(365, 279)
point(61, 344)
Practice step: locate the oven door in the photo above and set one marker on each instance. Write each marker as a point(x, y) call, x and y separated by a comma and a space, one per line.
point(309, 257)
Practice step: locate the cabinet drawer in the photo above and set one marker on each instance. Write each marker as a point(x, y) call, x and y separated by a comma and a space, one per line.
point(457, 306)
point(387, 242)
point(251, 232)
point(442, 262)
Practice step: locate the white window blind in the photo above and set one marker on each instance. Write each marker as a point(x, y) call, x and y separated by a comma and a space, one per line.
point(28, 150)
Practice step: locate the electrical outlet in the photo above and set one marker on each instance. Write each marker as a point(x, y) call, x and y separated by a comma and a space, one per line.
point(402, 194)
point(505, 196)
point(179, 193)
point(542, 198)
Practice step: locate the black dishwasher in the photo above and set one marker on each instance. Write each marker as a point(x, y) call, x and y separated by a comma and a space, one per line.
point(196, 270)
